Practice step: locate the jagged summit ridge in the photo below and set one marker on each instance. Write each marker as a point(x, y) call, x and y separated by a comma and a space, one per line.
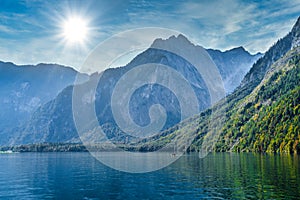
point(180, 41)
point(176, 40)
point(179, 44)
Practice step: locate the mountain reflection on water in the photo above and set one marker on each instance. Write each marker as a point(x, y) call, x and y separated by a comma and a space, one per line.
point(219, 175)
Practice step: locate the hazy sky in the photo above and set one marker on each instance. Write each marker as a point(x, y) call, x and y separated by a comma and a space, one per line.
point(31, 31)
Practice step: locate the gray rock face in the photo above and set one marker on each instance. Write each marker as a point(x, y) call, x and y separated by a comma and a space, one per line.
point(233, 65)
point(296, 34)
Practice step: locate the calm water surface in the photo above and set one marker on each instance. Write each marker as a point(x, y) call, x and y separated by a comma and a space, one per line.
point(218, 176)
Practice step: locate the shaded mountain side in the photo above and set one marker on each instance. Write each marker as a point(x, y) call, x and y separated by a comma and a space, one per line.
point(25, 88)
point(233, 65)
point(53, 121)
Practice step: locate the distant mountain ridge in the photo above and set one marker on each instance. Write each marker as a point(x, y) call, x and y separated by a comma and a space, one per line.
point(25, 88)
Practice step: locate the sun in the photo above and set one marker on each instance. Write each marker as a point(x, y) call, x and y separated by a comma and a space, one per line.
point(75, 29)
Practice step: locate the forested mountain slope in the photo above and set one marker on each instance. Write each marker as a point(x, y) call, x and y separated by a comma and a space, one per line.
point(261, 115)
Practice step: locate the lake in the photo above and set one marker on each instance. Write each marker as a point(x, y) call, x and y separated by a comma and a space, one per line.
point(217, 176)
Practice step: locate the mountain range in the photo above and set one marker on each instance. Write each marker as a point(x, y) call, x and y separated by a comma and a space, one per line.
point(51, 119)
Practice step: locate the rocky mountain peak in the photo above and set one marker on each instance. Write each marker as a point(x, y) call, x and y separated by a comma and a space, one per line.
point(179, 40)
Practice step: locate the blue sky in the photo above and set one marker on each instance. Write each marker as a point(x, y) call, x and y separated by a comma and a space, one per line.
point(30, 30)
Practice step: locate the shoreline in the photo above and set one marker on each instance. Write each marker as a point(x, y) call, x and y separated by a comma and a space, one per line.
point(79, 147)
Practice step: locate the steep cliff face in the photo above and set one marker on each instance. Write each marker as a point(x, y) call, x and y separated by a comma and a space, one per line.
point(296, 34)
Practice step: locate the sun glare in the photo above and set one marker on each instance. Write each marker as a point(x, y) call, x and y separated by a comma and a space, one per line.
point(75, 30)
